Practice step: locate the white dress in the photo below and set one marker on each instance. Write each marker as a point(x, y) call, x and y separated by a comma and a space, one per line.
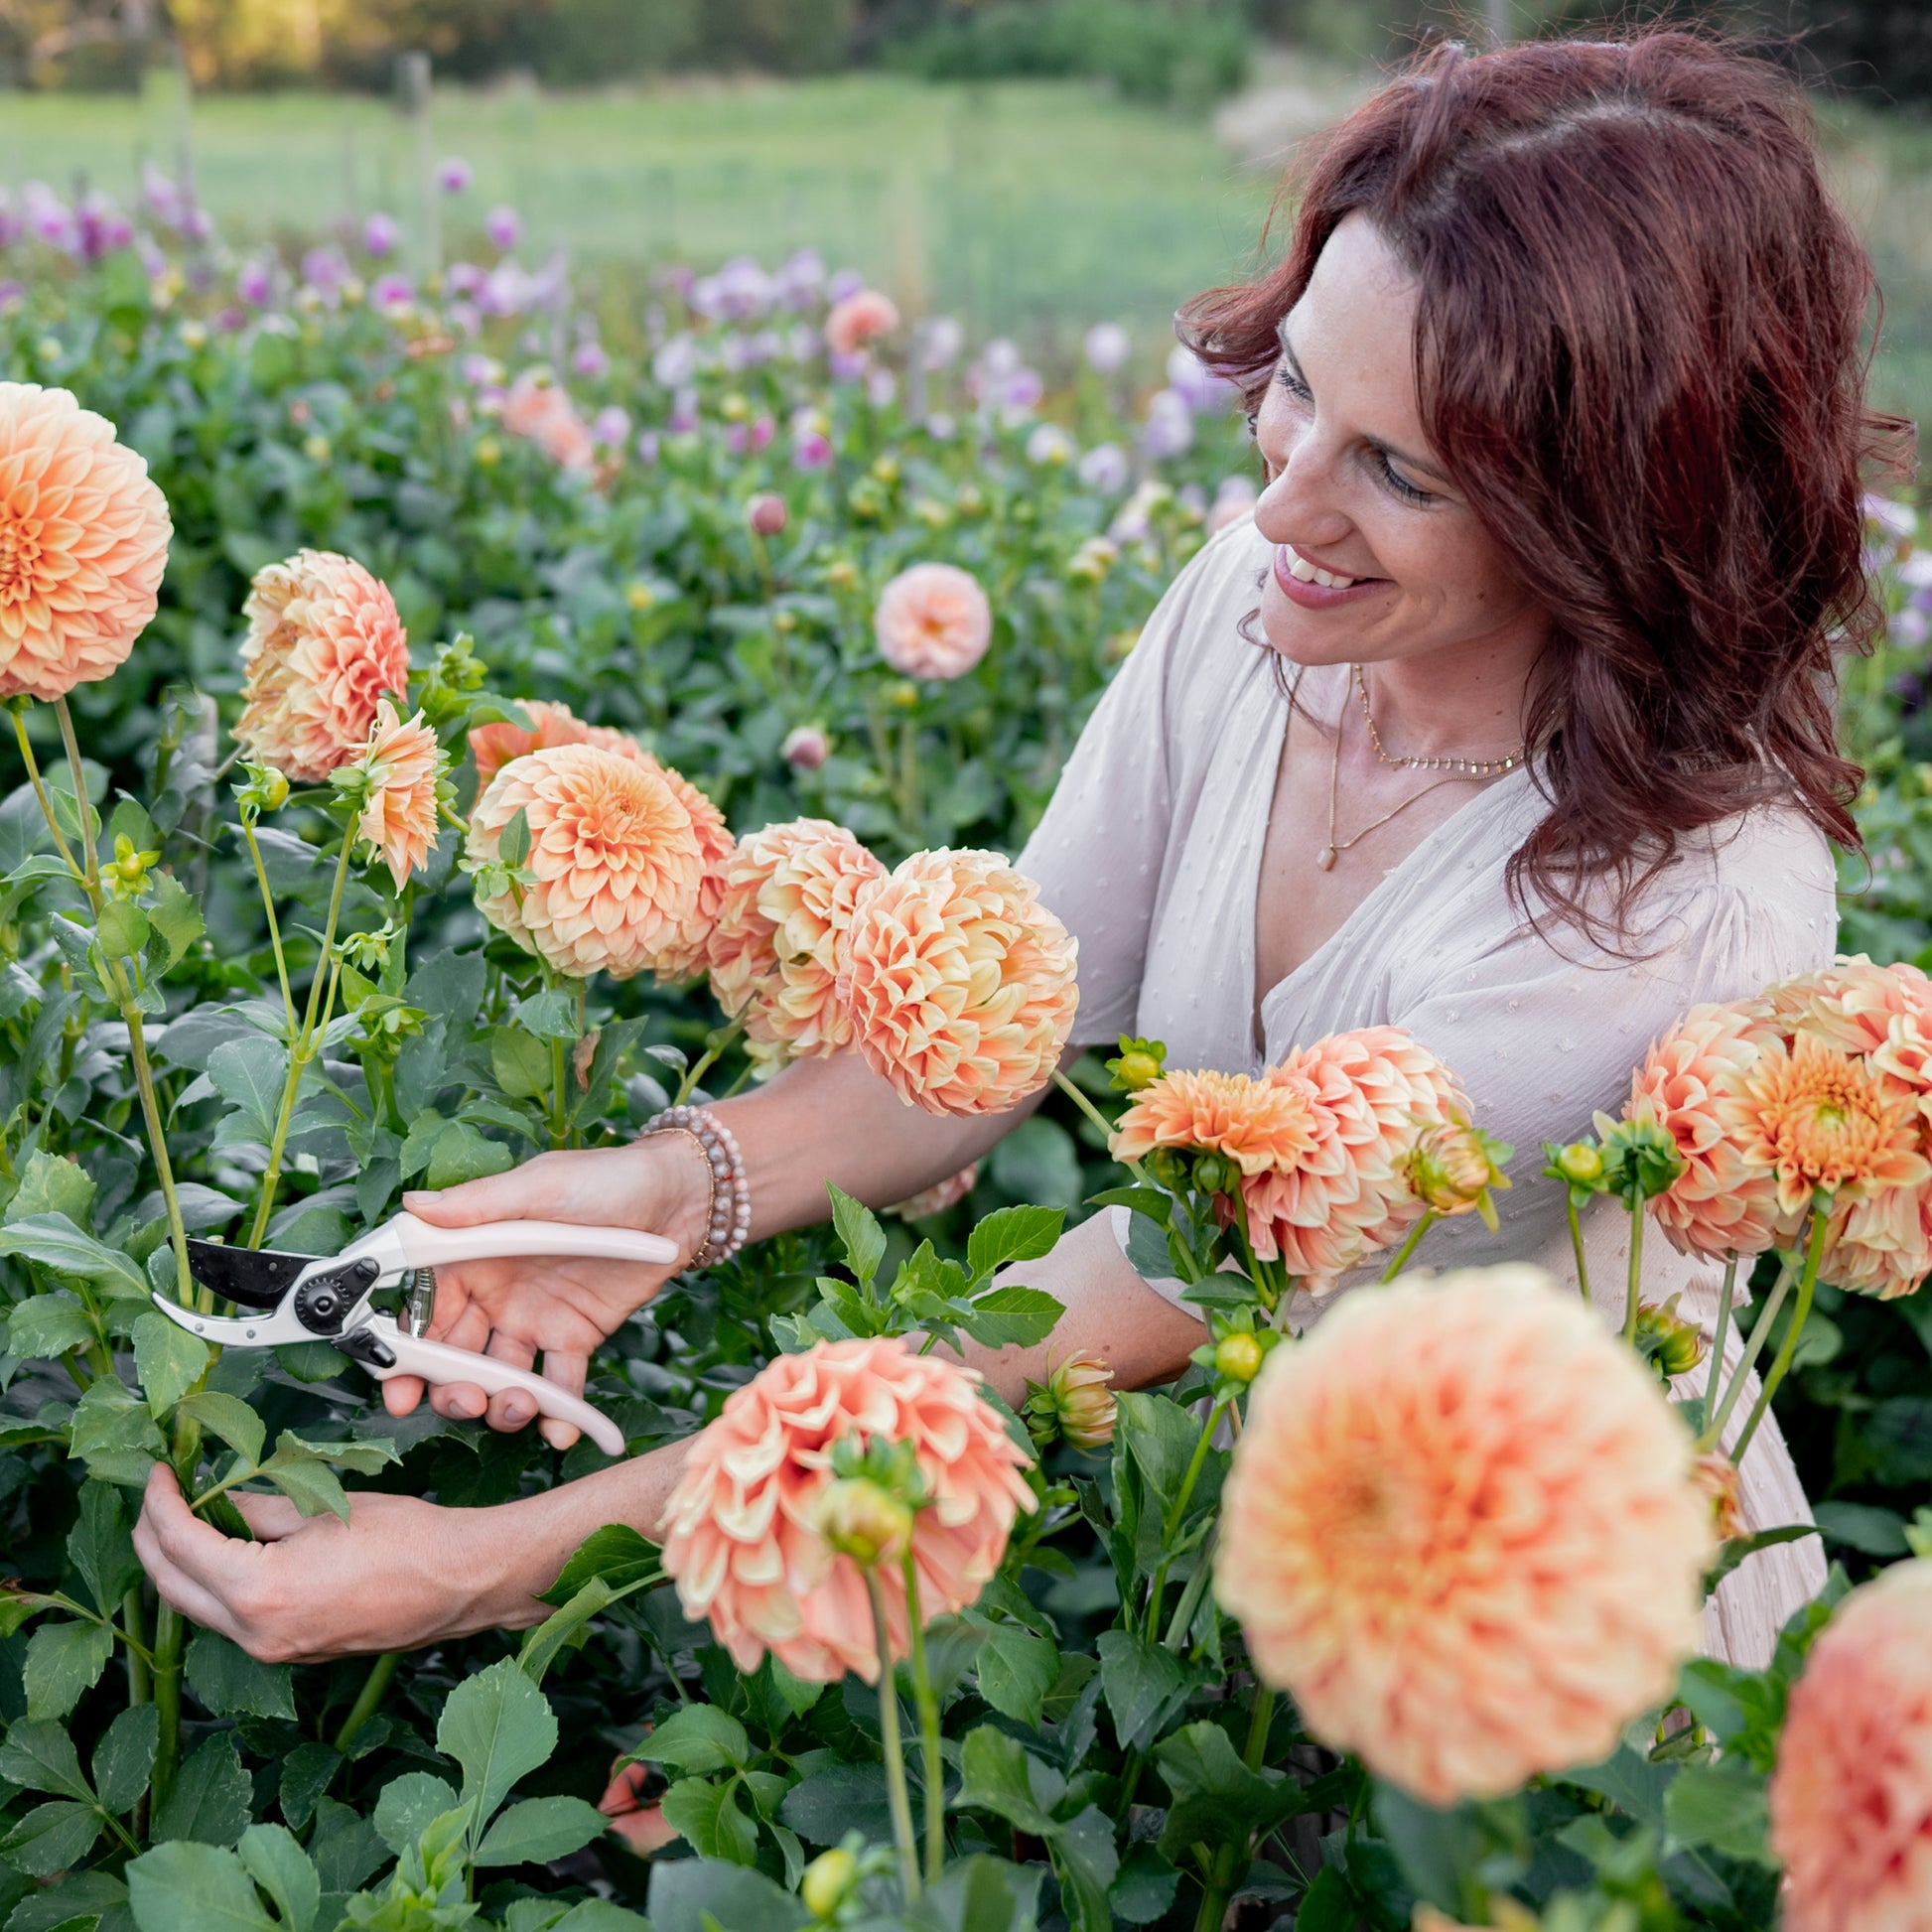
point(1151, 853)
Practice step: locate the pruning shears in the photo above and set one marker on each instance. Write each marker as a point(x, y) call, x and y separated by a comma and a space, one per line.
point(326, 1297)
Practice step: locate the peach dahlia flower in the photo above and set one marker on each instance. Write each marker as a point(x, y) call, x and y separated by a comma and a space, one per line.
point(1461, 1531)
point(403, 764)
point(324, 645)
point(789, 895)
point(615, 855)
point(493, 746)
point(860, 319)
point(687, 952)
point(958, 983)
point(1852, 1796)
point(933, 621)
point(1850, 1004)
point(83, 540)
point(740, 1534)
point(1258, 1124)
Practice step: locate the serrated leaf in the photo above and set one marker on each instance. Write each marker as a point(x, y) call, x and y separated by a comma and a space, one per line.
point(77, 1900)
point(408, 1806)
point(249, 1074)
point(707, 1814)
point(1016, 1671)
point(40, 1757)
point(498, 1727)
point(542, 1646)
point(1012, 1234)
point(539, 1830)
point(285, 1872)
point(1086, 1858)
point(521, 1061)
point(229, 1683)
point(113, 1432)
point(101, 1548)
point(462, 1153)
point(1000, 1775)
point(45, 1326)
point(617, 1554)
point(307, 1772)
point(1721, 1807)
point(1141, 1681)
point(706, 1895)
point(55, 1243)
point(176, 918)
point(193, 1888)
point(169, 1359)
point(122, 928)
point(698, 1738)
point(858, 1230)
point(551, 1014)
point(64, 1662)
point(53, 1183)
point(125, 1757)
point(210, 1802)
point(227, 1417)
point(1013, 1317)
point(51, 1838)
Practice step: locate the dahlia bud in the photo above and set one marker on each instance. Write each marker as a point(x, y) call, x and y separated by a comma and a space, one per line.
point(1075, 1402)
point(1141, 1062)
point(639, 595)
point(1666, 1338)
point(1166, 1168)
point(1715, 1474)
point(1215, 1174)
point(1238, 1357)
point(1582, 1161)
point(863, 1521)
point(887, 469)
point(828, 1881)
point(841, 574)
point(806, 748)
point(1640, 1158)
point(1453, 1169)
point(766, 513)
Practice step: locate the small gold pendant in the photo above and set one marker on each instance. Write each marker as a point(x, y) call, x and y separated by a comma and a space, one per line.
point(1325, 859)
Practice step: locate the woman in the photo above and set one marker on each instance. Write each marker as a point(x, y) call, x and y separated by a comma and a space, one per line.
point(1507, 720)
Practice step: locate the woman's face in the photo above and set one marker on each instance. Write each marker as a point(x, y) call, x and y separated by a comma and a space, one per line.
point(1354, 492)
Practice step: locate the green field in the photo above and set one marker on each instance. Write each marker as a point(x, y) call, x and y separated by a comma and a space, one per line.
point(1027, 207)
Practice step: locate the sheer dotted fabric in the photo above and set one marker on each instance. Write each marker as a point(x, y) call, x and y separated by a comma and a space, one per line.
point(1151, 852)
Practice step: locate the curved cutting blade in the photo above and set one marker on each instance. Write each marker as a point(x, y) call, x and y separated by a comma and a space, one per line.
point(236, 1332)
point(257, 1277)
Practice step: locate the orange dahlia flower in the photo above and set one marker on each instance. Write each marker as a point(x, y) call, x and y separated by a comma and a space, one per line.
point(933, 621)
point(860, 319)
point(493, 746)
point(1373, 1094)
point(615, 859)
point(1851, 1004)
point(1691, 1083)
point(740, 1531)
point(789, 895)
point(1852, 1796)
point(958, 983)
point(83, 540)
point(324, 645)
point(1259, 1124)
point(687, 952)
point(539, 408)
point(403, 764)
point(1460, 1530)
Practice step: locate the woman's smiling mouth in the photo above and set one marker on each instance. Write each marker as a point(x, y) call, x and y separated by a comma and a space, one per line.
point(1314, 588)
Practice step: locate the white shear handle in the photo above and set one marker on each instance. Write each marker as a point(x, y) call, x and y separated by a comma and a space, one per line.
point(409, 1243)
point(437, 1361)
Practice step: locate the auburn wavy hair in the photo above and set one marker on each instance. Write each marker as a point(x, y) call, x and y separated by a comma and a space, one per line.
point(1640, 350)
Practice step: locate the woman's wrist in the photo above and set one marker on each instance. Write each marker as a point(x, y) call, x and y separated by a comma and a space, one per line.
point(689, 1190)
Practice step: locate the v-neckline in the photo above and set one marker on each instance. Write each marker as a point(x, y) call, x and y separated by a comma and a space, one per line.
point(1259, 1002)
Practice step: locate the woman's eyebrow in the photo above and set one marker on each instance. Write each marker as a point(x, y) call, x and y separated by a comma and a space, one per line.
point(1381, 443)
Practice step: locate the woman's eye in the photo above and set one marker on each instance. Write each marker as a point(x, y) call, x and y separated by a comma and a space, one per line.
point(1400, 484)
point(1292, 383)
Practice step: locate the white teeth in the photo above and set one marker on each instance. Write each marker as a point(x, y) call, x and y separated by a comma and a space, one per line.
point(1305, 571)
point(1301, 569)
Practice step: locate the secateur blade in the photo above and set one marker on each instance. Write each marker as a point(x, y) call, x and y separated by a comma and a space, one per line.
point(256, 1278)
point(233, 1330)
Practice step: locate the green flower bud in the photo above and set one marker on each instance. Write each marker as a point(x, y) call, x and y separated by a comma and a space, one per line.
point(828, 1881)
point(863, 1521)
point(1582, 1161)
point(1075, 1402)
point(1215, 1174)
point(1238, 1357)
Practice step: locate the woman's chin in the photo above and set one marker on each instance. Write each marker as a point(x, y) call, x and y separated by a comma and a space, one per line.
point(1302, 636)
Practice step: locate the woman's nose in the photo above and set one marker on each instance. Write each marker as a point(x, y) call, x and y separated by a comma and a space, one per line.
point(1298, 498)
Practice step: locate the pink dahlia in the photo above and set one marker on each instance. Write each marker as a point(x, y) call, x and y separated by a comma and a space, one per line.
point(83, 540)
point(791, 892)
point(324, 645)
point(615, 859)
point(1851, 1004)
point(1852, 1796)
point(860, 319)
point(1461, 1531)
point(958, 983)
point(933, 621)
point(742, 1535)
point(539, 408)
point(688, 950)
point(403, 765)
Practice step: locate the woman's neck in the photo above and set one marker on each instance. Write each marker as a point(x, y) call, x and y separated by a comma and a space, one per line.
point(1462, 701)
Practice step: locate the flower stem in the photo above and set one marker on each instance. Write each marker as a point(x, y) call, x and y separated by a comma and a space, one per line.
point(1171, 1523)
point(927, 1706)
point(1722, 1333)
point(703, 1064)
point(1408, 1248)
point(169, 1632)
point(1576, 1246)
point(39, 789)
point(140, 1679)
point(1713, 1429)
point(368, 1698)
point(274, 930)
point(1228, 1858)
point(1183, 1612)
point(889, 1746)
point(1099, 1119)
point(1633, 1278)
point(1807, 1285)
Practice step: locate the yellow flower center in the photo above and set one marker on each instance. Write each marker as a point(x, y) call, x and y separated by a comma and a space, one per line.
point(1825, 1119)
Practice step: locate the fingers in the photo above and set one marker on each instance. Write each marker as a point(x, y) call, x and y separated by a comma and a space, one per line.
point(522, 1194)
point(401, 1393)
point(269, 1518)
point(170, 1541)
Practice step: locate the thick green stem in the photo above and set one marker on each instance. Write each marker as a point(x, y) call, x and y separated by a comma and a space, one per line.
point(39, 789)
point(1633, 1279)
point(1183, 1612)
point(168, 1634)
point(1713, 1429)
point(368, 1698)
point(703, 1064)
point(1807, 1285)
point(1229, 1858)
point(1722, 1335)
point(274, 930)
point(559, 1112)
point(1576, 1247)
point(1171, 1523)
point(140, 1679)
point(1099, 1119)
point(889, 1747)
point(927, 1706)
point(1408, 1248)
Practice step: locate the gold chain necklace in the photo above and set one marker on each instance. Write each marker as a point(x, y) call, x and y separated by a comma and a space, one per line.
point(1464, 767)
point(1470, 770)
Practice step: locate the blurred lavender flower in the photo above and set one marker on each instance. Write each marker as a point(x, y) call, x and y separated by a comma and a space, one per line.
point(1192, 496)
point(231, 319)
point(848, 281)
point(549, 287)
point(763, 430)
point(1049, 444)
point(100, 227)
point(479, 370)
point(198, 224)
point(253, 281)
point(162, 195)
point(502, 227)
point(846, 368)
point(684, 412)
point(1910, 627)
point(1233, 500)
point(462, 278)
point(647, 446)
point(506, 290)
point(1169, 427)
point(610, 426)
point(675, 362)
point(589, 361)
point(1915, 572)
point(761, 346)
point(1106, 347)
point(941, 427)
point(1104, 467)
point(391, 291)
point(1196, 384)
point(803, 343)
point(453, 175)
point(742, 290)
point(49, 219)
point(798, 283)
point(1895, 518)
point(325, 271)
point(811, 451)
point(881, 385)
point(380, 234)
point(938, 340)
point(12, 295)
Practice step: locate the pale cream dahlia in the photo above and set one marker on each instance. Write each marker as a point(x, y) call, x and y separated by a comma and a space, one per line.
point(615, 859)
point(933, 621)
point(1850, 1004)
point(403, 764)
point(1462, 1530)
point(788, 900)
point(83, 540)
point(324, 645)
point(958, 983)
point(1852, 1797)
point(742, 1532)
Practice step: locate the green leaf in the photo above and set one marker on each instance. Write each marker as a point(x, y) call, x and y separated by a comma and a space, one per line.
point(65, 1662)
point(51, 1838)
point(1737, 1548)
point(55, 1243)
point(1016, 1671)
point(542, 1646)
point(122, 928)
point(1721, 1807)
point(229, 1683)
point(707, 1814)
point(169, 1360)
point(552, 1014)
point(40, 1757)
point(210, 1802)
point(1086, 1858)
point(176, 918)
point(193, 1888)
point(1142, 1682)
point(1216, 1798)
point(46, 1327)
point(698, 1738)
point(284, 1871)
point(824, 1804)
point(1865, 1527)
point(858, 1230)
point(227, 1417)
point(708, 1895)
point(82, 1899)
point(113, 1432)
point(53, 1183)
point(101, 1549)
point(616, 1554)
point(1000, 1775)
point(1012, 1234)
point(513, 841)
point(409, 1805)
point(346, 1847)
point(462, 1153)
point(1143, 1890)
point(539, 1830)
point(249, 1074)
point(125, 1757)
point(498, 1727)
point(521, 1061)
point(1011, 1317)
point(302, 1470)
point(307, 1772)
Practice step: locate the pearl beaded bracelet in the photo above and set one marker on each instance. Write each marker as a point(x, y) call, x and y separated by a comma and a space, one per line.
point(728, 1221)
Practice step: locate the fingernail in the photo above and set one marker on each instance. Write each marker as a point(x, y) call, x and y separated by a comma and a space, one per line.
point(465, 1409)
point(415, 1199)
point(515, 1414)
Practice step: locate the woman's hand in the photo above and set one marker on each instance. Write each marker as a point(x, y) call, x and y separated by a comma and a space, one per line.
point(516, 1308)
